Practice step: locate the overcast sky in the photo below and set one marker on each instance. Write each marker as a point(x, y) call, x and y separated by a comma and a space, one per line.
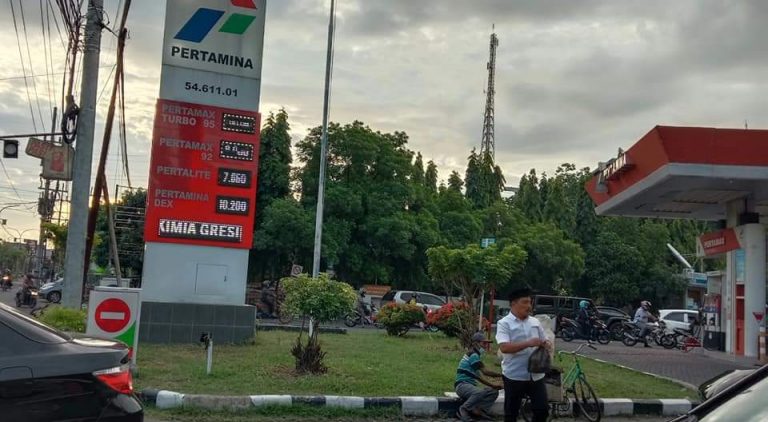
point(575, 79)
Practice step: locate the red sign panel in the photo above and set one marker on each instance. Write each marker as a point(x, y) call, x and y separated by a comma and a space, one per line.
point(718, 242)
point(202, 177)
point(112, 315)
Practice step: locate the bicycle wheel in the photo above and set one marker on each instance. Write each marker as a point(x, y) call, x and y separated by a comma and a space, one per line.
point(586, 400)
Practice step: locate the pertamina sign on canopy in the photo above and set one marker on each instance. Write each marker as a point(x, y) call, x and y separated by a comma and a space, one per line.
point(717, 243)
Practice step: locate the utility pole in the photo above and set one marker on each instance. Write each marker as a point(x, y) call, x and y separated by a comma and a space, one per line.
point(72, 293)
point(45, 208)
point(323, 148)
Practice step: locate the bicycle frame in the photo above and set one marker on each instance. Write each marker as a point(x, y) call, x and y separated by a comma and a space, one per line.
point(575, 372)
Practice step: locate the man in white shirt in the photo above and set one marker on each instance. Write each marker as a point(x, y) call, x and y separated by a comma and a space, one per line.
point(518, 335)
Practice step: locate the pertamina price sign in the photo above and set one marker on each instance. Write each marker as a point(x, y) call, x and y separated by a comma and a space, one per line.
point(202, 188)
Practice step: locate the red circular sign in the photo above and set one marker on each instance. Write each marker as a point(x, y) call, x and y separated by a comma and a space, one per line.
point(112, 315)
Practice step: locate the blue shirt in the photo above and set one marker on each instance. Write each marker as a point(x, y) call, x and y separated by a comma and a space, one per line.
point(641, 316)
point(469, 369)
point(510, 329)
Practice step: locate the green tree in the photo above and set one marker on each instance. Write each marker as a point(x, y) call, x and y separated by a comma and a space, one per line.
point(431, 177)
point(418, 170)
point(528, 198)
point(554, 262)
point(12, 258)
point(274, 160)
point(472, 270)
point(284, 237)
point(454, 182)
point(322, 300)
point(130, 234)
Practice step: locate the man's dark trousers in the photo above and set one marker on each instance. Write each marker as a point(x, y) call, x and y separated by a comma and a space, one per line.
point(514, 391)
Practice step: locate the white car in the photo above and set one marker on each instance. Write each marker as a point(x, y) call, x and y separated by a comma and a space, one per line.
point(678, 318)
point(432, 302)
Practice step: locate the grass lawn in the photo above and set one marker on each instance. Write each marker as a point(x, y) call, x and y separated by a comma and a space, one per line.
point(361, 363)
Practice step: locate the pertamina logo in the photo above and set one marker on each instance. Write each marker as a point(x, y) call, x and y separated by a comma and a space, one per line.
point(200, 25)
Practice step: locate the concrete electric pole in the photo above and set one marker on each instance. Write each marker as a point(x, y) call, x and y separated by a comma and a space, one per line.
point(74, 271)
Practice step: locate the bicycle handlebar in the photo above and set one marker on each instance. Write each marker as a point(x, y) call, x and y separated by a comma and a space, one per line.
point(578, 349)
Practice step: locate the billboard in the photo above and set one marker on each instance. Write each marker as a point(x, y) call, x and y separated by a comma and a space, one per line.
point(203, 175)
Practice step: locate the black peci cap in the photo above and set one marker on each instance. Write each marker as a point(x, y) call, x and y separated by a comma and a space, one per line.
point(518, 293)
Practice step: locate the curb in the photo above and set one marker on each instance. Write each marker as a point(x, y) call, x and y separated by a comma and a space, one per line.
point(409, 406)
point(297, 328)
point(661, 377)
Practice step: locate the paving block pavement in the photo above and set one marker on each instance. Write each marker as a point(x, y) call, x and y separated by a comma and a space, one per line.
point(692, 368)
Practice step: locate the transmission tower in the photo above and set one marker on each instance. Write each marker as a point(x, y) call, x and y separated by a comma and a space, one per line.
point(488, 144)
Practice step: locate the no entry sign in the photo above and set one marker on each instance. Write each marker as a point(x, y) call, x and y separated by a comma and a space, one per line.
point(113, 313)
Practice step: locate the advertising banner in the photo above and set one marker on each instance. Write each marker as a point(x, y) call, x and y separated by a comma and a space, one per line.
point(202, 187)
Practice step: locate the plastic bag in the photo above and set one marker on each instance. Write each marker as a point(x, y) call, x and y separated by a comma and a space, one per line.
point(540, 361)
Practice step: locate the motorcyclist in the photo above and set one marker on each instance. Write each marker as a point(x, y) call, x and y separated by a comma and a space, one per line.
point(26, 288)
point(584, 318)
point(8, 278)
point(363, 304)
point(643, 316)
point(268, 297)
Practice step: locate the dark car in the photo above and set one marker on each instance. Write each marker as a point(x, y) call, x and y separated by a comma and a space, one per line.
point(46, 375)
point(743, 401)
point(613, 318)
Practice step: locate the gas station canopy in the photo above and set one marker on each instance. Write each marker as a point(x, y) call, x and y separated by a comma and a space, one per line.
point(684, 172)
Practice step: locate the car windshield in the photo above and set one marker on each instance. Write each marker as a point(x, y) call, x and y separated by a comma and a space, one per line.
point(747, 406)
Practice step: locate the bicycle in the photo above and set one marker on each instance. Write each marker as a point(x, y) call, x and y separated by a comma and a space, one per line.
point(578, 394)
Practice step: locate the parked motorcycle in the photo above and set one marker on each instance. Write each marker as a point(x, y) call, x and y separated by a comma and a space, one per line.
point(28, 299)
point(354, 318)
point(571, 330)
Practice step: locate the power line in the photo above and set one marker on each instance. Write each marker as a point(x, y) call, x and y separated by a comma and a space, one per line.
point(10, 182)
point(9, 78)
point(48, 55)
point(23, 70)
point(29, 59)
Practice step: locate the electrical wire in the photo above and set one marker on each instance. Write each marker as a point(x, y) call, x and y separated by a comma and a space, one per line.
point(47, 48)
point(56, 22)
point(10, 182)
point(23, 69)
point(29, 60)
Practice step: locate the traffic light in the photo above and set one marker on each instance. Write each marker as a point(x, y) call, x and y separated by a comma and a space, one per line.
point(10, 148)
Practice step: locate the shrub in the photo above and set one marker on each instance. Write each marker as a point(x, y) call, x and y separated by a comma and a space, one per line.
point(455, 320)
point(452, 318)
point(65, 319)
point(398, 318)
